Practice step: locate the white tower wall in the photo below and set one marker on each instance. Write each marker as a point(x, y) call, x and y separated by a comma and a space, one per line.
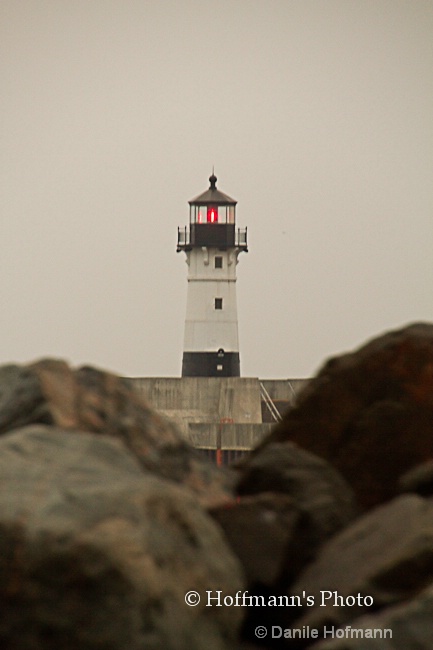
point(208, 328)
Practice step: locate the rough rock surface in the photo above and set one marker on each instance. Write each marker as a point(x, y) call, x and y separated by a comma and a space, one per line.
point(97, 554)
point(103, 531)
point(317, 489)
point(370, 413)
point(386, 554)
point(410, 623)
point(88, 399)
point(263, 531)
point(291, 502)
point(269, 534)
point(418, 479)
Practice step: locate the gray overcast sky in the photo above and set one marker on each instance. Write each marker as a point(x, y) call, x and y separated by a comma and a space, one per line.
point(318, 117)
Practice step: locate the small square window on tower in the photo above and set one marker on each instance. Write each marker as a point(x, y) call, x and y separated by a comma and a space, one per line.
point(218, 303)
point(218, 262)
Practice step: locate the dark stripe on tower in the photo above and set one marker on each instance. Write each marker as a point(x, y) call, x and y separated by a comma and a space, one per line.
point(211, 364)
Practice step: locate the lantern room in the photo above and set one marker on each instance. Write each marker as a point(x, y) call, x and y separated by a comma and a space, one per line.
point(212, 222)
point(212, 213)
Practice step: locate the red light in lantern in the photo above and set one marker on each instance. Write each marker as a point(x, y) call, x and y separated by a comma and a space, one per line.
point(212, 214)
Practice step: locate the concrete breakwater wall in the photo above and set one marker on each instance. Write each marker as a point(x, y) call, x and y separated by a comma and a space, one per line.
point(220, 412)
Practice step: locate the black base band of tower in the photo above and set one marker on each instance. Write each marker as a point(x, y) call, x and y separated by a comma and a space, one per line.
point(211, 364)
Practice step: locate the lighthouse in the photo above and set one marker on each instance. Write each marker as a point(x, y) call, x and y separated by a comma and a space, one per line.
point(212, 244)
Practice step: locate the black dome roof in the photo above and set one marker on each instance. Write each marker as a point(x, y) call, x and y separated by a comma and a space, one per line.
point(212, 196)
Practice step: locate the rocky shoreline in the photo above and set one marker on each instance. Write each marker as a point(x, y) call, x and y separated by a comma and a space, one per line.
point(116, 534)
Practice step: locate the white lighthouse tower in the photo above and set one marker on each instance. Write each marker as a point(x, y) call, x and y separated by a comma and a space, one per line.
point(212, 244)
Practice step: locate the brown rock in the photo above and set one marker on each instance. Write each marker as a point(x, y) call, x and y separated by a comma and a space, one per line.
point(370, 413)
point(88, 399)
point(97, 554)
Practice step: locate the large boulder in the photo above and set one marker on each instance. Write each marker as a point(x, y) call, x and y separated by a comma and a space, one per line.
point(263, 531)
point(97, 554)
point(370, 412)
point(290, 503)
point(51, 392)
point(418, 479)
point(269, 534)
point(385, 556)
point(318, 491)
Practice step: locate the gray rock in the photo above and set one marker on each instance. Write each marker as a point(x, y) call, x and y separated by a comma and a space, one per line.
point(268, 534)
point(88, 399)
point(291, 503)
point(96, 554)
point(263, 532)
point(317, 489)
point(387, 554)
point(411, 625)
point(419, 479)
